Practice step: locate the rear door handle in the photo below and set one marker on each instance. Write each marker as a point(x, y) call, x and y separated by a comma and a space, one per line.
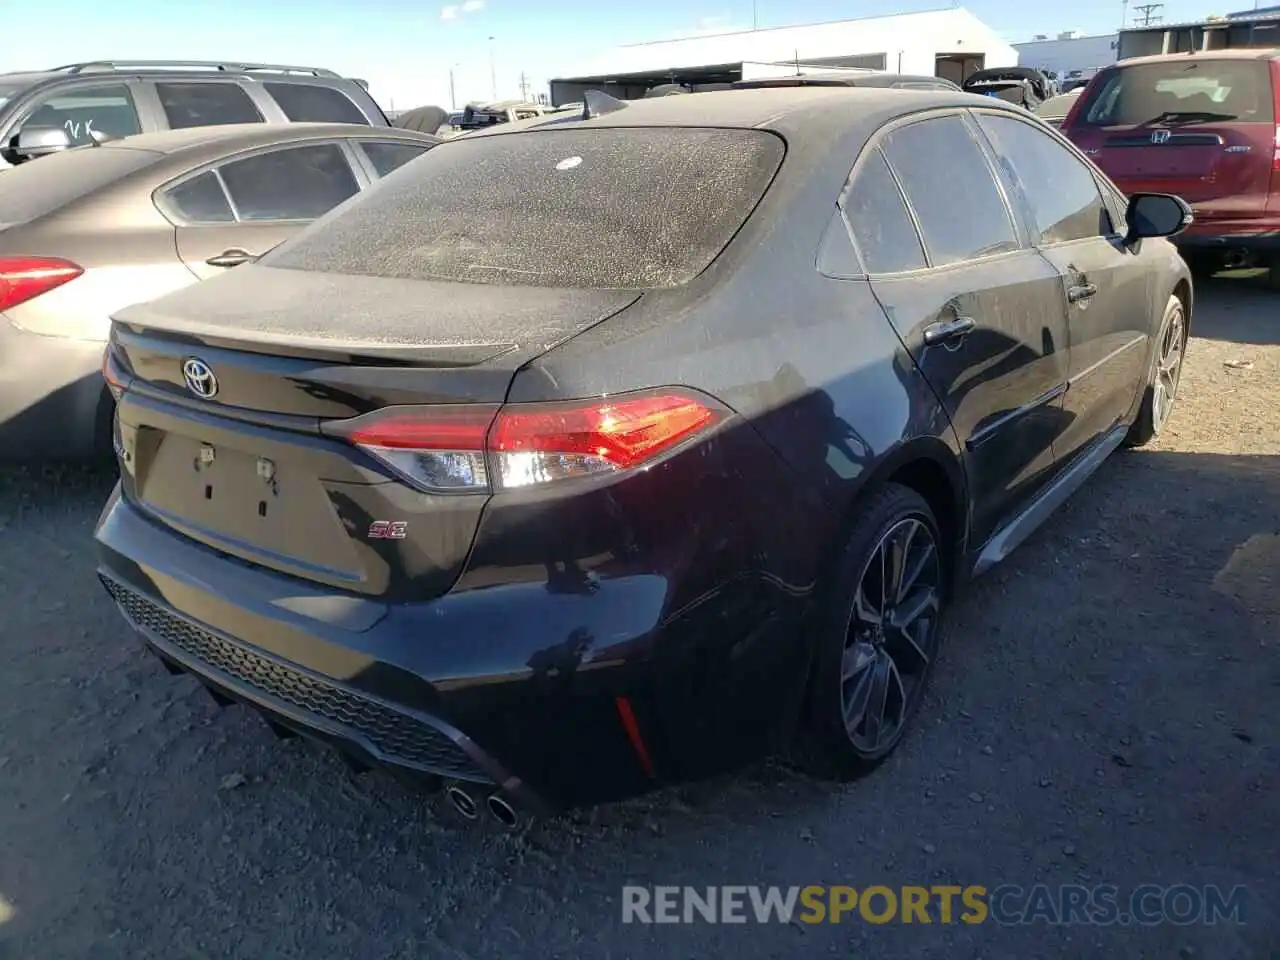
point(946, 330)
point(1081, 291)
point(230, 258)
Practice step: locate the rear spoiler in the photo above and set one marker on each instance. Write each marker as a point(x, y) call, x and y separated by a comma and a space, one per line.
point(364, 84)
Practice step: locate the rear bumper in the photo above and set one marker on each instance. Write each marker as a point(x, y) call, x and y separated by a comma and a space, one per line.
point(52, 396)
point(508, 687)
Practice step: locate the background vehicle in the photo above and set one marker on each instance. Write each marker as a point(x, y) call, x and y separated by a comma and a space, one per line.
point(1024, 86)
point(840, 78)
point(426, 119)
point(581, 477)
point(119, 98)
point(897, 81)
point(1205, 126)
point(1054, 110)
point(476, 116)
point(98, 227)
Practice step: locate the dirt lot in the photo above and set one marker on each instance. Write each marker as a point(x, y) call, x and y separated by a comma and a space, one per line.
point(1107, 712)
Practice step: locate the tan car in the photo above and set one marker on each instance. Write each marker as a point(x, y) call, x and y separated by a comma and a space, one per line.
point(92, 229)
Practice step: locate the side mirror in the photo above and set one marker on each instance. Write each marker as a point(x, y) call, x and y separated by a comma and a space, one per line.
point(1156, 215)
point(33, 142)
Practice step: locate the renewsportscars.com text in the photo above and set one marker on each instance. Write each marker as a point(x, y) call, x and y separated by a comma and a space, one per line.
point(1006, 905)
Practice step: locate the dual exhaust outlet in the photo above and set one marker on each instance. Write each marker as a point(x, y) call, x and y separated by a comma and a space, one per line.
point(466, 805)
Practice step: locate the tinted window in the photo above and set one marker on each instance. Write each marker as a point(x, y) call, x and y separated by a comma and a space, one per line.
point(882, 227)
point(951, 189)
point(301, 183)
point(1218, 89)
point(631, 208)
point(106, 110)
point(386, 156)
point(201, 200)
point(42, 186)
point(206, 104)
point(1058, 188)
point(305, 103)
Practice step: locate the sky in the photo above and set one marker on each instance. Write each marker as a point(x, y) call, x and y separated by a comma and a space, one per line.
point(408, 51)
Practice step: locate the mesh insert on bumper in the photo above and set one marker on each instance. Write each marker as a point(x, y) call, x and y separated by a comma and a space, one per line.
point(398, 737)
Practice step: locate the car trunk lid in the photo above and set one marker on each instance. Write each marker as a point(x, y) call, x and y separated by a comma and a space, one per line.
point(220, 425)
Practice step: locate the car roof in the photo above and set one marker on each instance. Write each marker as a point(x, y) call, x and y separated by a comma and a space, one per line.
point(794, 110)
point(1229, 53)
point(246, 136)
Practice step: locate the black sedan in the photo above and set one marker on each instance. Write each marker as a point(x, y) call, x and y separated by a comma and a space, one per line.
point(607, 451)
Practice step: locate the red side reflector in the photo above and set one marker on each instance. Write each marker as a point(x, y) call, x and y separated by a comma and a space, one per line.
point(25, 278)
point(628, 718)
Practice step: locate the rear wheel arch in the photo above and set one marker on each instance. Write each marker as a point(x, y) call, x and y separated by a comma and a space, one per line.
point(930, 468)
point(1182, 290)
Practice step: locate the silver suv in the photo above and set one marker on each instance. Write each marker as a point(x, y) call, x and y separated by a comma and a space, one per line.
point(108, 99)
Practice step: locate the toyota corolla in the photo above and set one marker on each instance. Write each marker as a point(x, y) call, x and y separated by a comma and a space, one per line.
point(613, 450)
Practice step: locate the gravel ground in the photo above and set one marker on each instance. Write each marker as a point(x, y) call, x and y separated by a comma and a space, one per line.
point(1106, 712)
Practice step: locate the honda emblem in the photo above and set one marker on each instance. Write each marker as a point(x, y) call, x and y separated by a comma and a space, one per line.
point(1160, 136)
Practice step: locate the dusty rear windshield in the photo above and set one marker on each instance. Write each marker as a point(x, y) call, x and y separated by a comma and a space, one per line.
point(621, 208)
point(1194, 90)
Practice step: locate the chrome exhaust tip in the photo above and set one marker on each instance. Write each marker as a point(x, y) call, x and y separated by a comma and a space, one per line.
point(502, 811)
point(462, 802)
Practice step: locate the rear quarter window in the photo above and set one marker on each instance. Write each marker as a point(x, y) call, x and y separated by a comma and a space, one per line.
point(39, 187)
point(311, 103)
point(633, 208)
point(1197, 88)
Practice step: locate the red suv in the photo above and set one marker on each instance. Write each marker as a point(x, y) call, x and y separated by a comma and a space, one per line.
point(1204, 126)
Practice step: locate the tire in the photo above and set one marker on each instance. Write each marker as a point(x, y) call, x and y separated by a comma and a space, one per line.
point(1271, 280)
point(846, 638)
point(1203, 264)
point(1154, 412)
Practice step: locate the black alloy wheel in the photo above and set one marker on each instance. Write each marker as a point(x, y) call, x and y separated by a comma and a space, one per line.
point(879, 636)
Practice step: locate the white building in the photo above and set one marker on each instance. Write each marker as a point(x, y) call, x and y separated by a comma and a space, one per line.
point(950, 43)
point(1068, 53)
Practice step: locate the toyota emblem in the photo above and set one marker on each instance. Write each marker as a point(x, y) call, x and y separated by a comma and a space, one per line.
point(1160, 136)
point(200, 378)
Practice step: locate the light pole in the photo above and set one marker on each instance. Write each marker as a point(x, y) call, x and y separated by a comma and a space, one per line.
point(453, 96)
point(493, 71)
point(755, 15)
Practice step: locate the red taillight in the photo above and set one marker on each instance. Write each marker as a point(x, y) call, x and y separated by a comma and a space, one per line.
point(471, 448)
point(25, 278)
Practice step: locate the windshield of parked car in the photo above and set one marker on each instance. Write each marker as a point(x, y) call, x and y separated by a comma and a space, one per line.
point(622, 208)
point(1184, 90)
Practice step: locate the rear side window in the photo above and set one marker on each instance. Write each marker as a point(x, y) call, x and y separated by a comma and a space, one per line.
point(308, 103)
point(1193, 89)
point(387, 156)
point(882, 228)
point(206, 104)
point(623, 208)
point(201, 200)
point(1059, 189)
point(951, 189)
point(40, 187)
point(299, 183)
